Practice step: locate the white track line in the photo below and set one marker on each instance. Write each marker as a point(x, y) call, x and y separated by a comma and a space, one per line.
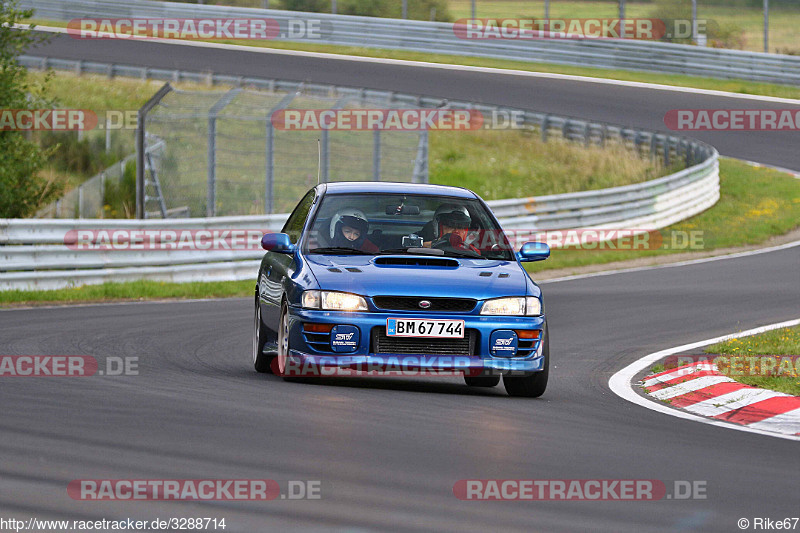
point(446, 66)
point(620, 384)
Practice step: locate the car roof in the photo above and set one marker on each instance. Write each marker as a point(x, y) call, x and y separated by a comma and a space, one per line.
point(353, 187)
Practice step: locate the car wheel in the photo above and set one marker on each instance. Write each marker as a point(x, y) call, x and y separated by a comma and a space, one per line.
point(283, 347)
point(261, 362)
point(533, 385)
point(482, 381)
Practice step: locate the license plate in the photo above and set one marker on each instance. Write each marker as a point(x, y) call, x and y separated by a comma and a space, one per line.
point(421, 327)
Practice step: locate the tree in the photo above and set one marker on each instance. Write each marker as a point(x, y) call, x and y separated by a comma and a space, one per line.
point(22, 189)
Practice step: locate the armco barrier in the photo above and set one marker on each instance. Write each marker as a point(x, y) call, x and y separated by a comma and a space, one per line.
point(419, 36)
point(34, 256)
point(33, 253)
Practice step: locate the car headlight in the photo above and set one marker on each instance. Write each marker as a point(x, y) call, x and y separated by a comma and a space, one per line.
point(514, 306)
point(333, 301)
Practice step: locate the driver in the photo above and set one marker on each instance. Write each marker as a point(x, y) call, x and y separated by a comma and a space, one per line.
point(432, 230)
point(454, 229)
point(349, 230)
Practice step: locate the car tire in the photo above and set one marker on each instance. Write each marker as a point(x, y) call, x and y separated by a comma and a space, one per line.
point(283, 347)
point(482, 381)
point(533, 385)
point(261, 361)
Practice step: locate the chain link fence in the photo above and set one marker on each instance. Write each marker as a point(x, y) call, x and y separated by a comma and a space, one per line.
point(223, 155)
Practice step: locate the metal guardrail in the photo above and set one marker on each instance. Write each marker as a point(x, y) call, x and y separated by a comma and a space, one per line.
point(33, 253)
point(419, 36)
point(29, 262)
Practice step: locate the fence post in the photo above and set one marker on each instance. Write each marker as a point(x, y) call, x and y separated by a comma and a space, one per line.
point(211, 193)
point(326, 154)
point(420, 174)
point(376, 155)
point(141, 126)
point(103, 194)
point(211, 171)
point(269, 186)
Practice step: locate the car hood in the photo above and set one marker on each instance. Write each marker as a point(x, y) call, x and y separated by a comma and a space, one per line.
point(433, 276)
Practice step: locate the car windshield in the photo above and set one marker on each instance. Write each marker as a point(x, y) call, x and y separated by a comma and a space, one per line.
point(380, 224)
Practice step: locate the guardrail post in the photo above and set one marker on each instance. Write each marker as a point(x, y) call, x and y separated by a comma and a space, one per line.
point(667, 143)
point(545, 125)
point(80, 201)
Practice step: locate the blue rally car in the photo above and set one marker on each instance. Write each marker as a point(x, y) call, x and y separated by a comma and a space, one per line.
point(371, 276)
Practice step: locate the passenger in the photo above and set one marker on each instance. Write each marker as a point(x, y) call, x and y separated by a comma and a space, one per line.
point(349, 229)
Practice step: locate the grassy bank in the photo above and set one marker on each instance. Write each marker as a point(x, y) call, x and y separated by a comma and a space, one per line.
point(130, 291)
point(755, 204)
point(516, 163)
point(784, 341)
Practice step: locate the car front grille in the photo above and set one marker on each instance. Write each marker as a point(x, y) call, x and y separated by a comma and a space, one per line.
point(383, 344)
point(438, 305)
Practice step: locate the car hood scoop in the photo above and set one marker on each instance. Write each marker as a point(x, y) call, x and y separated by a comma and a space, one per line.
point(418, 276)
point(440, 262)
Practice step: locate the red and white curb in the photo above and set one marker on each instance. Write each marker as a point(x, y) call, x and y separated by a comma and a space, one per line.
point(701, 389)
point(699, 392)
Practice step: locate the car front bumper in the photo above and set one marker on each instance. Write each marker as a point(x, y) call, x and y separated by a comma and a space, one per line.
point(309, 354)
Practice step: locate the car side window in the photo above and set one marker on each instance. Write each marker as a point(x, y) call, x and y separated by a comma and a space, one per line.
point(297, 220)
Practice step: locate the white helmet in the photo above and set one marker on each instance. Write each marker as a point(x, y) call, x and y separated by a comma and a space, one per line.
point(347, 212)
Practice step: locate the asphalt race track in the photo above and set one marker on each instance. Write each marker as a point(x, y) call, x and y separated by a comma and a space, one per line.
point(388, 451)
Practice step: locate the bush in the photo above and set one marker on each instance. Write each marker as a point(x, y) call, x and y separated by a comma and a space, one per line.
point(726, 35)
point(85, 157)
point(119, 200)
point(22, 188)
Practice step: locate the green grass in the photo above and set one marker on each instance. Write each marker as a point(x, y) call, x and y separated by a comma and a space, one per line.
point(517, 164)
point(784, 341)
point(734, 86)
point(131, 291)
point(755, 204)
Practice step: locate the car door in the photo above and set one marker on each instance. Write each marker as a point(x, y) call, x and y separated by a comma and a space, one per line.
point(277, 267)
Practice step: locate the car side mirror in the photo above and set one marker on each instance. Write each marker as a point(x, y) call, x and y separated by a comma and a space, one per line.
point(533, 251)
point(277, 242)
